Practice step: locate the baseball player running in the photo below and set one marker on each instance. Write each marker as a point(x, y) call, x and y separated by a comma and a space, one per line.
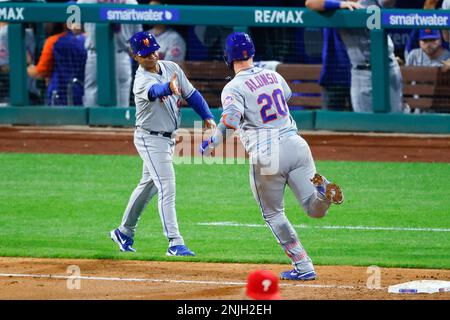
point(255, 102)
point(158, 88)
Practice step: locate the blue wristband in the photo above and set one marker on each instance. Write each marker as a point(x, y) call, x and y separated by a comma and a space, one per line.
point(159, 91)
point(332, 4)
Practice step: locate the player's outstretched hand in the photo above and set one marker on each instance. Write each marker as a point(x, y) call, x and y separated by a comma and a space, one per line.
point(210, 124)
point(350, 5)
point(206, 147)
point(174, 85)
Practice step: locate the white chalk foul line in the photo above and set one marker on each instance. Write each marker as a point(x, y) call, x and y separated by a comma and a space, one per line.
point(221, 283)
point(303, 226)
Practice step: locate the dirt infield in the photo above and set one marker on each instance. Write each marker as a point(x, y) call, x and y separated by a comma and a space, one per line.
point(113, 279)
point(324, 145)
point(26, 278)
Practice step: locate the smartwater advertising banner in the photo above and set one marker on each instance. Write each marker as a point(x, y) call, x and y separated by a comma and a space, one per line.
point(422, 20)
point(145, 15)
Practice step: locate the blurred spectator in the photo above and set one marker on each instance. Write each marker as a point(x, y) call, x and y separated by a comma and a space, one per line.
point(335, 77)
point(262, 285)
point(122, 34)
point(196, 50)
point(358, 44)
point(173, 46)
point(413, 41)
point(4, 63)
point(62, 63)
point(445, 33)
point(431, 53)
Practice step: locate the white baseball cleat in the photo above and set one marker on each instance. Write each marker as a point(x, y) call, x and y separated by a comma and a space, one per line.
point(125, 243)
point(299, 276)
point(180, 250)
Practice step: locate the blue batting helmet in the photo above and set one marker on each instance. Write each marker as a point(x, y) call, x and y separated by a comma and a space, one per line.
point(238, 46)
point(143, 43)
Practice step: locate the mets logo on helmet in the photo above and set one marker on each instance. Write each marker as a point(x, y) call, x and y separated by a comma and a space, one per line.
point(146, 42)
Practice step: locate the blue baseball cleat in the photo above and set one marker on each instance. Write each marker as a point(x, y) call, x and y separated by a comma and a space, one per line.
point(181, 250)
point(122, 240)
point(296, 275)
point(330, 191)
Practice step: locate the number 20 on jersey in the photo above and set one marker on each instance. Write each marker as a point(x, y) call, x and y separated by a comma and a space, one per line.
point(267, 113)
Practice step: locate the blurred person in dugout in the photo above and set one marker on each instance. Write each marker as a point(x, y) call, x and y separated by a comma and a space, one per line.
point(122, 33)
point(173, 46)
point(357, 43)
point(414, 41)
point(30, 47)
point(335, 75)
point(431, 52)
point(262, 285)
point(61, 64)
point(445, 33)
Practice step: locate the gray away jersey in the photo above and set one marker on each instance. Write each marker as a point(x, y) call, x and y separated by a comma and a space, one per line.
point(260, 96)
point(163, 114)
point(418, 57)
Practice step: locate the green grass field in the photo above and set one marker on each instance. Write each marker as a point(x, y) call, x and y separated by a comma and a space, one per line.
point(65, 206)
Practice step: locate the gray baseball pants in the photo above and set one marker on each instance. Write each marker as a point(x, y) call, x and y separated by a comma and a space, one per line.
point(361, 90)
point(295, 168)
point(123, 79)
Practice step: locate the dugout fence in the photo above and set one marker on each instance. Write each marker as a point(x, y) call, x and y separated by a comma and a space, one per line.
point(288, 39)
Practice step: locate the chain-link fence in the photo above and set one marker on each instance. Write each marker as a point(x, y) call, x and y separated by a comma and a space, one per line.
point(327, 68)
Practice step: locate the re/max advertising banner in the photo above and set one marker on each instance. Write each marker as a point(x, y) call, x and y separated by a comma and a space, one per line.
point(222, 15)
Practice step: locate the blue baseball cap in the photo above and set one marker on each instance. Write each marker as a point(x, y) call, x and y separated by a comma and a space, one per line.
point(427, 34)
point(143, 43)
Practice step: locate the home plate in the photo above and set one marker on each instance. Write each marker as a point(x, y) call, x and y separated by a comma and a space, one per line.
point(422, 286)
